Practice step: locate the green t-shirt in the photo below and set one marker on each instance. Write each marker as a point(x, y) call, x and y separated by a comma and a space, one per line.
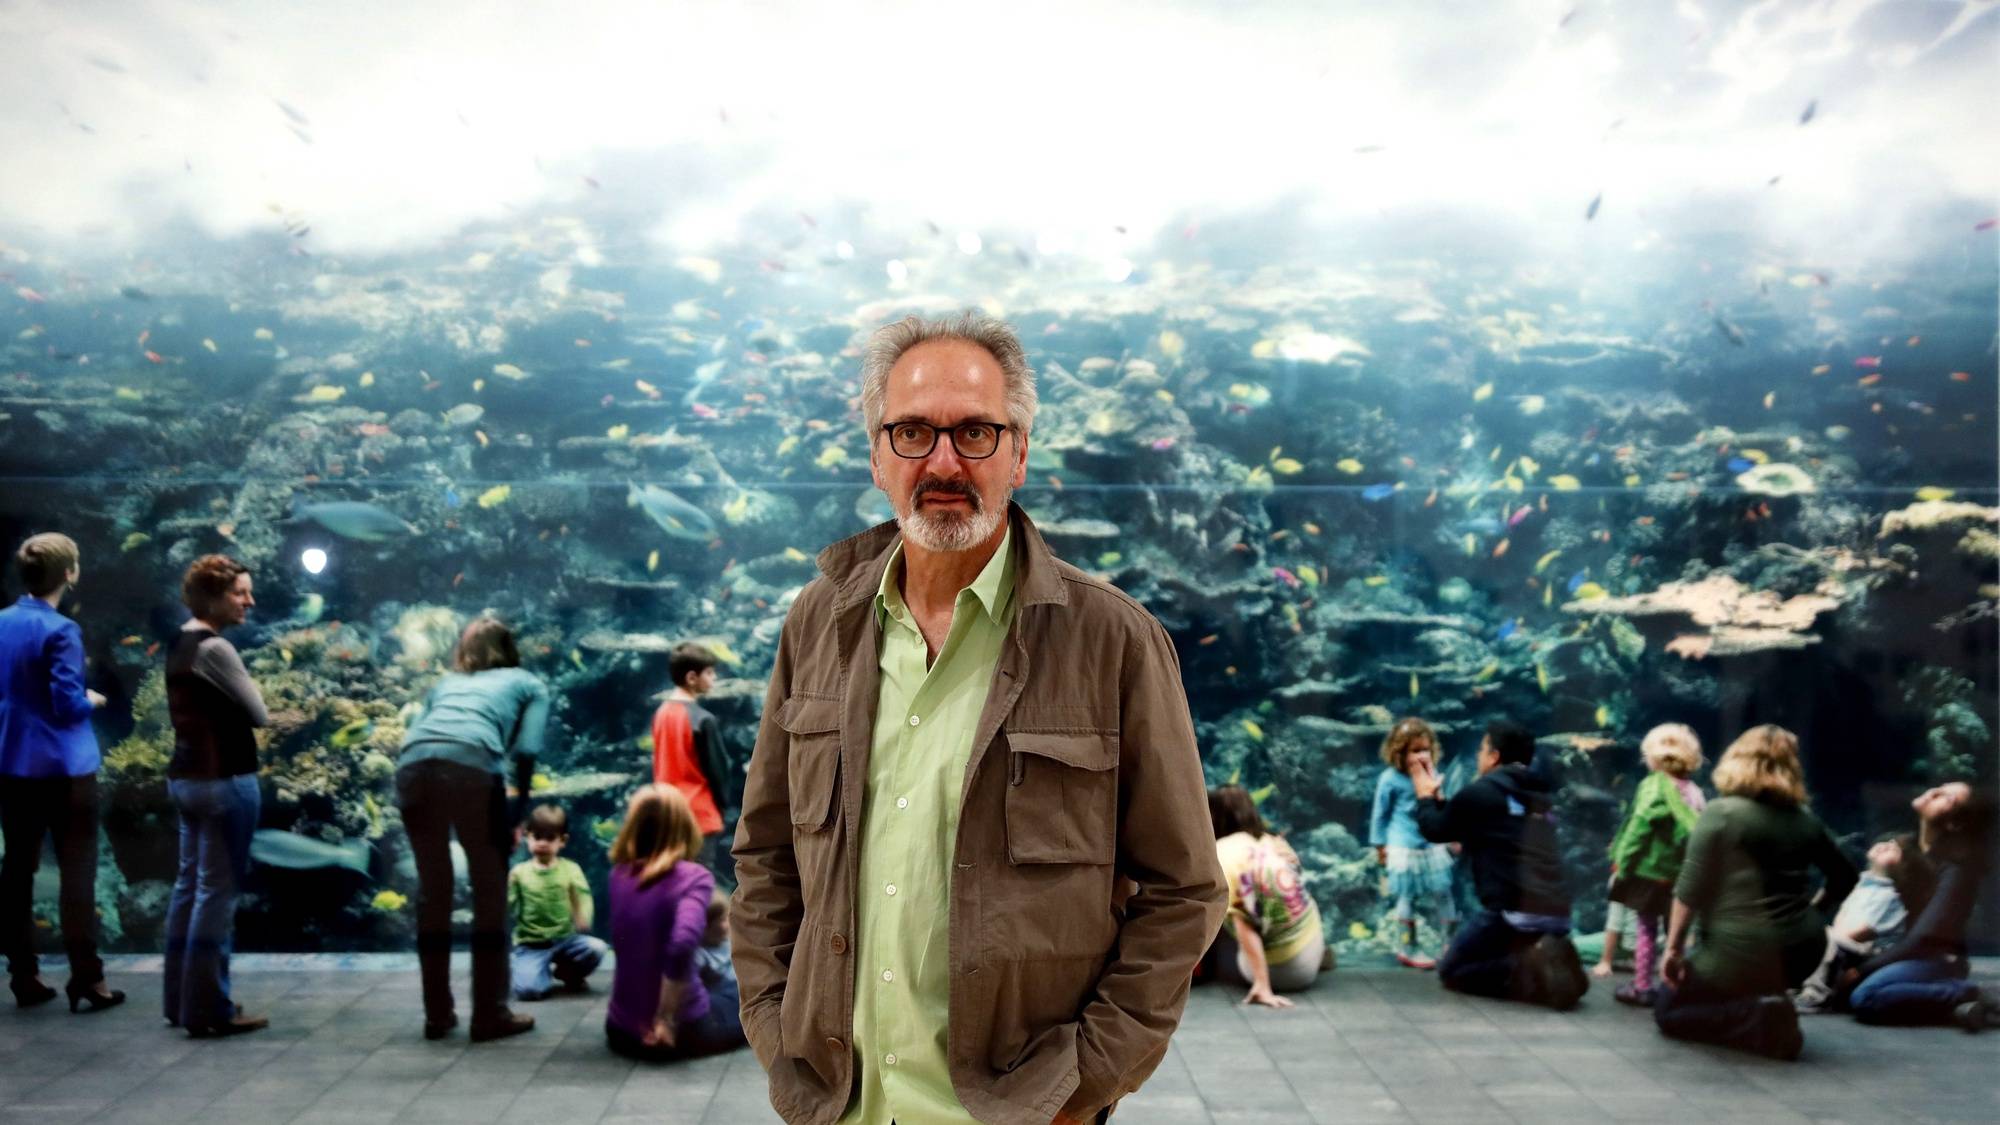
point(539, 898)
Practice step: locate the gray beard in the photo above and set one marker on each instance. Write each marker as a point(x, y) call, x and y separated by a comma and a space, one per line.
point(950, 532)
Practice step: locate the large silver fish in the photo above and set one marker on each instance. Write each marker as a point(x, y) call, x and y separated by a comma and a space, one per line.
point(675, 516)
point(355, 519)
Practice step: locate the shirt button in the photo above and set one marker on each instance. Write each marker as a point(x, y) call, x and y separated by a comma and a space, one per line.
point(835, 1045)
point(889, 1059)
point(888, 977)
point(891, 889)
point(913, 720)
point(838, 943)
point(902, 802)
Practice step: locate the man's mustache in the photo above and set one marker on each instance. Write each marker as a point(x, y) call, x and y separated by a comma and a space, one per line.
point(939, 486)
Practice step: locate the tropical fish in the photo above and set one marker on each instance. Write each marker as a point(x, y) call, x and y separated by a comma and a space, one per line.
point(790, 443)
point(1110, 559)
point(1507, 629)
point(1542, 677)
point(1251, 728)
point(1413, 685)
point(1563, 482)
point(388, 902)
point(1933, 492)
point(495, 496)
point(1603, 715)
point(509, 371)
point(1287, 465)
point(830, 457)
point(1590, 212)
point(674, 515)
point(1471, 544)
point(1542, 563)
point(135, 541)
point(618, 432)
point(275, 847)
point(351, 734)
point(1520, 514)
point(1770, 399)
point(1577, 580)
point(652, 561)
point(1590, 591)
point(1309, 576)
point(1869, 362)
point(325, 392)
point(208, 343)
point(1757, 456)
point(1483, 392)
point(367, 379)
point(311, 607)
point(1500, 548)
point(1531, 405)
point(354, 519)
point(1740, 464)
point(264, 334)
point(464, 414)
point(1285, 576)
point(1870, 380)
point(1375, 580)
point(1348, 465)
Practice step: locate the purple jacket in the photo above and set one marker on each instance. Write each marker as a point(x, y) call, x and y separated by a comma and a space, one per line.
point(655, 931)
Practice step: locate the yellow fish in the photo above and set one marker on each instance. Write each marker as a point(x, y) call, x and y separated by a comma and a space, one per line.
point(1548, 596)
point(1259, 796)
point(1287, 465)
point(484, 441)
point(388, 902)
point(1375, 580)
point(1632, 480)
point(1308, 575)
point(1164, 395)
point(495, 496)
point(645, 388)
point(208, 343)
point(1171, 344)
point(1311, 528)
point(737, 508)
point(831, 457)
point(1359, 931)
point(790, 443)
point(509, 371)
point(1603, 715)
point(1258, 477)
point(1413, 685)
point(1512, 483)
point(576, 658)
point(1471, 544)
point(1113, 558)
point(1251, 728)
point(135, 541)
point(1933, 492)
point(367, 378)
point(722, 650)
point(1348, 465)
point(652, 562)
point(128, 394)
point(478, 385)
point(325, 393)
point(619, 432)
point(1484, 392)
point(1590, 592)
point(1529, 466)
point(1542, 677)
point(263, 334)
point(1264, 349)
point(796, 555)
point(1542, 563)
point(1757, 455)
point(1563, 482)
point(1486, 673)
point(1822, 369)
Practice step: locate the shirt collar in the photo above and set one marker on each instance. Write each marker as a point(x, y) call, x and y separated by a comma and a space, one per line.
point(994, 588)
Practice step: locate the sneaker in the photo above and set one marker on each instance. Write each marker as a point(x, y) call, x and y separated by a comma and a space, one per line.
point(1778, 1028)
point(1415, 961)
point(1559, 974)
point(501, 1026)
point(1634, 995)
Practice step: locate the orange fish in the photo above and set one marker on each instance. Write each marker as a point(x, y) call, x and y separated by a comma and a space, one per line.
point(154, 357)
point(1871, 380)
point(132, 640)
point(1055, 482)
point(1822, 369)
point(456, 579)
point(1431, 499)
point(153, 649)
point(1500, 548)
point(1961, 376)
point(1914, 341)
point(1644, 521)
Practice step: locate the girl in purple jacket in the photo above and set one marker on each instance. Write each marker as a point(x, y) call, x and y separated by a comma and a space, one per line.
point(661, 1007)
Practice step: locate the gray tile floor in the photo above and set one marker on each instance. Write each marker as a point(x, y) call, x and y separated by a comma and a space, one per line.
point(1364, 1046)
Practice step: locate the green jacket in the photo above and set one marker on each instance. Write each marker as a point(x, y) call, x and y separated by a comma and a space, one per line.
point(1654, 839)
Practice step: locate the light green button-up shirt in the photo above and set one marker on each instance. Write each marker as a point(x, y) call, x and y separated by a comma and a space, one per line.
point(925, 716)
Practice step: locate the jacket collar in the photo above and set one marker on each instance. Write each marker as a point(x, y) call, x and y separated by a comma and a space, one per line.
point(30, 601)
point(855, 565)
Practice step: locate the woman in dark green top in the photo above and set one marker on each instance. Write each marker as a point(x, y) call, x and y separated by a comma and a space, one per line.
point(1746, 887)
point(451, 776)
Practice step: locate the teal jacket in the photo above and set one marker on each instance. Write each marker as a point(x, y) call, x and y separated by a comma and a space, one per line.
point(1654, 839)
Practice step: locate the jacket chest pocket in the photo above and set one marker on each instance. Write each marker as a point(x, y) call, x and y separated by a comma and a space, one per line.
point(1062, 798)
point(812, 760)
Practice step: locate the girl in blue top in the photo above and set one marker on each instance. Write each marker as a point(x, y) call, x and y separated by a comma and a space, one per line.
point(1418, 871)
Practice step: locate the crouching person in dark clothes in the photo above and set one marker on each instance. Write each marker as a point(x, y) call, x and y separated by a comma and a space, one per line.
point(1517, 947)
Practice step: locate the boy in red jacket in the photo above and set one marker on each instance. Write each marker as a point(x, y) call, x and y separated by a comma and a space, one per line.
point(687, 750)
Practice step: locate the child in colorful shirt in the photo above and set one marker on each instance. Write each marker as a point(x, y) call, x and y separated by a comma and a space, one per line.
point(1271, 940)
point(550, 900)
point(1418, 871)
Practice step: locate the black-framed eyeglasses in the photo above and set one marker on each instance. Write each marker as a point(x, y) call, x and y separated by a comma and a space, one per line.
point(974, 441)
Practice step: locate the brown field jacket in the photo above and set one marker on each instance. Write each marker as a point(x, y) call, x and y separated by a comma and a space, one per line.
point(1085, 884)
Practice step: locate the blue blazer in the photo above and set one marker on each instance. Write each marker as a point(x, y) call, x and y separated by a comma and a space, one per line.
point(44, 713)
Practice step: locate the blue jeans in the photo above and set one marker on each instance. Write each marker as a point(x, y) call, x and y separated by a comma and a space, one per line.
point(568, 959)
point(1912, 993)
point(217, 817)
point(1481, 960)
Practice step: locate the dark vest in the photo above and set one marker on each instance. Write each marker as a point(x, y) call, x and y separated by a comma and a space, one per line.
point(212, 733)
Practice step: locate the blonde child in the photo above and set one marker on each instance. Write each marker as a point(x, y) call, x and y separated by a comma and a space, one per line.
point(1417, 871)
point(1647, 853)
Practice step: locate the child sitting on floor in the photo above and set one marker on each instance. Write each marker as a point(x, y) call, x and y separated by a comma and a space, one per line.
point(1871, 917)
point(550, 900)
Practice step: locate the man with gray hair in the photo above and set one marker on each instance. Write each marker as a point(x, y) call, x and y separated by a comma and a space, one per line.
point(975, 862)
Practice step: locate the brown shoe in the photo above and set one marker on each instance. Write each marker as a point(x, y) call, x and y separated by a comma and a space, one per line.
point(500, 1027)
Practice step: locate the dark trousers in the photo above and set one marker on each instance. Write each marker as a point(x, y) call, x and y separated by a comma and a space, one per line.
point(718, 1031)
point(1482, 959)
point(30, 809)
point(1705, 1012)
point(438, 798)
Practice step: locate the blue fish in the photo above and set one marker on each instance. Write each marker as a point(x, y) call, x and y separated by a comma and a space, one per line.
point(1507, 629)
point(452, 498)
point(1741, 464)
point(1378, 492)
point(1578, 579)
point(1591, 460)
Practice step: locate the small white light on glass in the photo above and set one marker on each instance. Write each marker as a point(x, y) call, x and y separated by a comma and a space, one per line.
point(969, 243)
point(898, 272)
point(1117, 270)
point(843, 250)
point(313, 559)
